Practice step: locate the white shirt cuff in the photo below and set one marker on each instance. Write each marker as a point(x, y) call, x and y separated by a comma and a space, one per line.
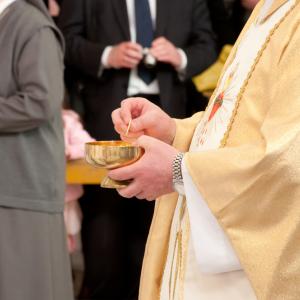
point(104, 57)
point(184, 60)
point(213, 250)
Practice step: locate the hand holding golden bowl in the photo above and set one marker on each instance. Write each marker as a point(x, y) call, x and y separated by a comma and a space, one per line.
point(112, 155)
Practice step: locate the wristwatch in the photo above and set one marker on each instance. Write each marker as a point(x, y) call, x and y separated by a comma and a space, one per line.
point(177, 174)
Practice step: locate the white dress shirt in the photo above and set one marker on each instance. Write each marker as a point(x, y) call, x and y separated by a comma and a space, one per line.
point(136, 85)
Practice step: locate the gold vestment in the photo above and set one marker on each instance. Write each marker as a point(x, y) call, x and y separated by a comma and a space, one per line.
point(252, 183)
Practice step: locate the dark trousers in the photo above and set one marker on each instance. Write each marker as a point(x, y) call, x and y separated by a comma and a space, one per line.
point(114, 233)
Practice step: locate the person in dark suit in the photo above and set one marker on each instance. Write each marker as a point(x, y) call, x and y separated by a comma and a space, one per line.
point(122, 48)
point(222, 22)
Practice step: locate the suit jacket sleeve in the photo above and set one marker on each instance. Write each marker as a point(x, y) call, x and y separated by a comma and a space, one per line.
point(81, 53)
point(39, 73)
point(201, 49)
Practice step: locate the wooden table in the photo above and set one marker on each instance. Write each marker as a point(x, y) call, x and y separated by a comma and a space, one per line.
point(80, 172)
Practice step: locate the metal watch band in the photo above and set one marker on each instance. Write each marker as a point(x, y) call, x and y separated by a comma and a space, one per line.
point(176, 168)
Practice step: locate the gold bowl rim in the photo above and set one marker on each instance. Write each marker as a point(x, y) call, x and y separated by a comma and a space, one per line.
point(112, 143)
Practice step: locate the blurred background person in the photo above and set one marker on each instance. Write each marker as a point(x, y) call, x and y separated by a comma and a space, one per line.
point(75, 138)
point(228, 17)
point(33, 252)
point(120, 49)
point(222, 18)
point(53, 8)
point(249, 4)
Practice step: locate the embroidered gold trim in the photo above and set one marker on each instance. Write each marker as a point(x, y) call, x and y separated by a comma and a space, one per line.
point(185, 247)
point(177, 255)
point(165, 260)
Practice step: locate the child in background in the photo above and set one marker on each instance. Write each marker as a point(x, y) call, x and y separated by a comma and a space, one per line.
point(75, 138)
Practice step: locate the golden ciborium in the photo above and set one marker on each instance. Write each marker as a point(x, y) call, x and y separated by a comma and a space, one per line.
point(111, 155)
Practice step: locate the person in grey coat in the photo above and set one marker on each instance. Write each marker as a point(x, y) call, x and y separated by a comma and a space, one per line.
point(34, 263)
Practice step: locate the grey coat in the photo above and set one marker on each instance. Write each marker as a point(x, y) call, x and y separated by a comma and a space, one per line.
point(31, 92)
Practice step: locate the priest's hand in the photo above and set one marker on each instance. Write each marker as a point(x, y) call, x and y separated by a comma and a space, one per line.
point(164, 51)
point(146, 119)
point(125, 55)
point(152, 174)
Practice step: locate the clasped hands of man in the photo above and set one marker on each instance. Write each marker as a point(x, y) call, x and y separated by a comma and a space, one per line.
point(129, 54)
point(152, 129)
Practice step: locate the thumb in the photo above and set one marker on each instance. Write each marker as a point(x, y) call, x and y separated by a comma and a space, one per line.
point(143, 122)
point(146, 142)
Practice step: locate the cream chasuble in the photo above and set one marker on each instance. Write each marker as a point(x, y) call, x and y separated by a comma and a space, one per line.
point(185, 276)
point(243, 164)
